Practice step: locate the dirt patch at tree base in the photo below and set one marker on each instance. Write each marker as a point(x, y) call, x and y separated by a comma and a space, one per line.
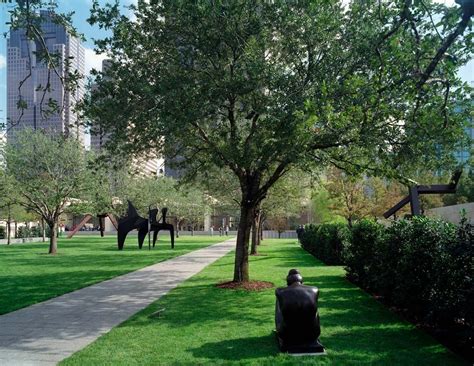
point(247, 286)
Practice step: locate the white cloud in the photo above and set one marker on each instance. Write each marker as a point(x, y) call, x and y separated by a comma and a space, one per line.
point(93, 60)
point(3, 61)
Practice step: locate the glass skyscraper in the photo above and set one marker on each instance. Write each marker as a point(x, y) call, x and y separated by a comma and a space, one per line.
point(21, 60)
point(463, 156)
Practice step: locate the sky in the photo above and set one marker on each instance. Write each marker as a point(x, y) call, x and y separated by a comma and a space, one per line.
point(81, 9)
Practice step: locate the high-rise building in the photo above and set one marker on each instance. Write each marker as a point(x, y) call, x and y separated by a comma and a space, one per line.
point(463, 155)
point(21, 60)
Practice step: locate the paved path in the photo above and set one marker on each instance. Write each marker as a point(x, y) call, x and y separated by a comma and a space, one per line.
point(48, 332)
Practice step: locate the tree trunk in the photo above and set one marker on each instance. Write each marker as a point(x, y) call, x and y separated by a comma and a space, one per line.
point(253, 247)
point(15, 234)
point(53, 238)
point(255, 232)
point(241, 267)
point(43, 230)
point(9, 226)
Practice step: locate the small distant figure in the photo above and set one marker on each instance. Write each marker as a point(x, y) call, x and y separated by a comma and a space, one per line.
point(226, 230)
point(220, 231)
point(300, 232)
point(212, 230)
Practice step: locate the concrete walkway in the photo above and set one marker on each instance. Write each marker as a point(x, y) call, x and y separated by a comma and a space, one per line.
point(48, 332)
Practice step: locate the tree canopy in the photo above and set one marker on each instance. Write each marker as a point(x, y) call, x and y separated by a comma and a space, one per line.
point(261, 87)
point(48, 172)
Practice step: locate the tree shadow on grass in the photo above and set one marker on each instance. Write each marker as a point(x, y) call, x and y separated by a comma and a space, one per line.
point(238, 349)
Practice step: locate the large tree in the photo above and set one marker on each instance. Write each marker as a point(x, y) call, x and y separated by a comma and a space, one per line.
point(8, 201)
point(355, 197)
point(259, 87)
point(349, 194)
point(48, 172)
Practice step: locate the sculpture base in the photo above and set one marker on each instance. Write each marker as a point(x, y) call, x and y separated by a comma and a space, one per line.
point(309, 349)
point(308, 354)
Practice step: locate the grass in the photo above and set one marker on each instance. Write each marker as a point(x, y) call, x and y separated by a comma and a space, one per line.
point(28, 275)
point(205, 325)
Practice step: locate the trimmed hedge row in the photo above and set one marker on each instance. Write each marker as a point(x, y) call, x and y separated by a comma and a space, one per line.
point(424, 266)
point(326, 241)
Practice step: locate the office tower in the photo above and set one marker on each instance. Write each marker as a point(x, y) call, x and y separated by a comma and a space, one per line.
point(463, 155)
point(21, 59)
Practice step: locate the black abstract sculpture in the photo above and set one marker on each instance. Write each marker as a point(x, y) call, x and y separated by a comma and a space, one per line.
point(134, 221)
point(156, 226)
point(296, 316)
point(130, 222)
point(414, 195)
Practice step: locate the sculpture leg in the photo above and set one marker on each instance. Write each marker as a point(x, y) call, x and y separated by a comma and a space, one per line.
point(142, 231)
point(102, 226)
point(415, 202)
point(172, 237)
point(78, 227)
point(121, 236)
point(155, 236)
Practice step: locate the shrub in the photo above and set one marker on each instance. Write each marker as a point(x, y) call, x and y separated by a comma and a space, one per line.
point(308, 237)
point(453, 293)
point(326, 241)
point(424, 266)
point(423, 260)
point(363, 254)
point(3, 234)
point(23, 232)
point(33, 232)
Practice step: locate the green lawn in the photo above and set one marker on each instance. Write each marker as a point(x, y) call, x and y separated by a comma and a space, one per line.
point(28, 275)
point(203, 324)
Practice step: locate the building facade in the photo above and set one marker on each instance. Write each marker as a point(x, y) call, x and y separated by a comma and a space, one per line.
point(463, 155)
point(21, 60)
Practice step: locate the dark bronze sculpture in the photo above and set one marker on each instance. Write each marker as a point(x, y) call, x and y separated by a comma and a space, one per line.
point(414, 195)
point(296, 316)
point(134, 221)
point(130, 222)
point(156, 226)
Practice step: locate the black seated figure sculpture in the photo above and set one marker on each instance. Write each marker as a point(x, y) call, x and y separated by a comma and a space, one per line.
point(156, 226)
point(296, 316)
point(130, 222)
